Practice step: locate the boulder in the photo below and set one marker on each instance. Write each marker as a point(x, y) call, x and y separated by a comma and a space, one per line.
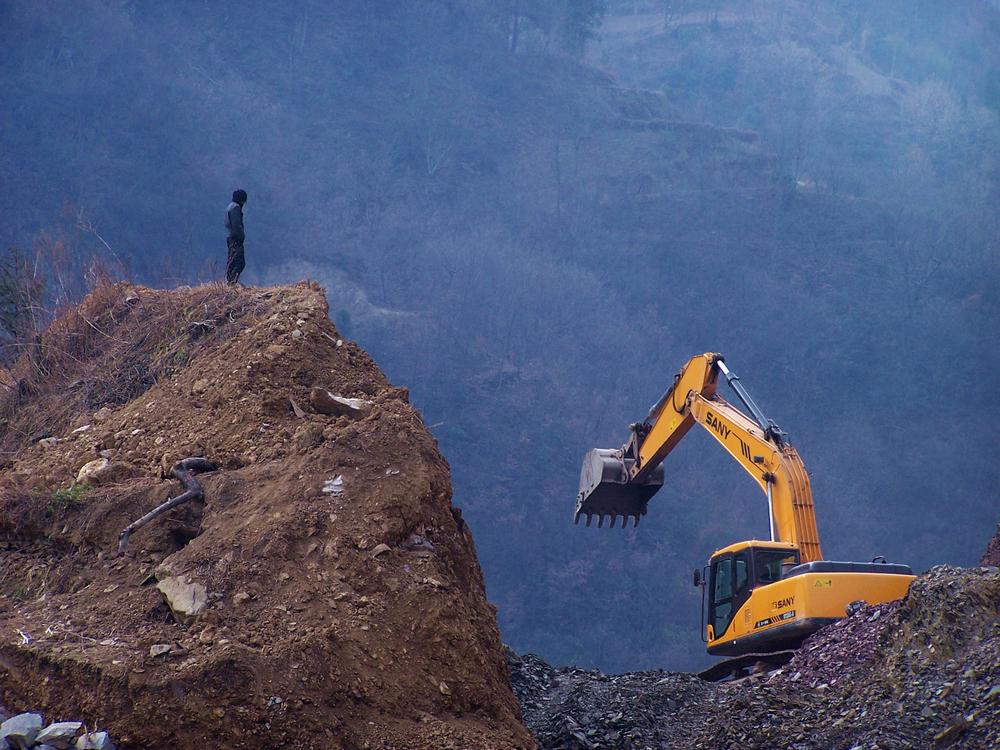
point(20, 731)
point(327, 403)
point(59, 735)
point(185, 598)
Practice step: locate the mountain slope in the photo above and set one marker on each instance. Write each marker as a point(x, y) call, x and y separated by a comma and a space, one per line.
point(342, 601)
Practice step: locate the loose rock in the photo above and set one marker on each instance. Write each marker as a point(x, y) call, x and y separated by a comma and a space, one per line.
point(20, 731)
point(59, 735)
point(327, 403)
point(185, 599)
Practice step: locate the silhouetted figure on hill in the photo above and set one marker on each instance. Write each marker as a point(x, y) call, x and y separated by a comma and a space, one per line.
point(235, 262)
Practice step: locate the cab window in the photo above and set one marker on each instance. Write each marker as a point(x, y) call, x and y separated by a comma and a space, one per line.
point(721, 606)
point(770, 564)
point(741, 563)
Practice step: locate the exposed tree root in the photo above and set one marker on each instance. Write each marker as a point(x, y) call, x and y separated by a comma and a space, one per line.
point(184, 470)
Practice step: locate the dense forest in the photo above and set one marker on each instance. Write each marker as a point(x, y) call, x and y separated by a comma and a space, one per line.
point(532, 212)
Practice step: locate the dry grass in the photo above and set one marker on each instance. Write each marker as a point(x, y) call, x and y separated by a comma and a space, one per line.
point(119, 342)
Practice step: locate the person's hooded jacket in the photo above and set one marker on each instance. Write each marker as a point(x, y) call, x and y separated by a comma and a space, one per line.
point(234, 221)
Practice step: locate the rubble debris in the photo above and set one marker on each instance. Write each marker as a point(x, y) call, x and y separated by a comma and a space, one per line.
point(24, 732)
point(913, 674)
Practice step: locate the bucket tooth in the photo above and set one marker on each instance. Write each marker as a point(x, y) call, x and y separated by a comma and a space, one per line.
point(590, 517)
point(613, 519)
point(576, 518)
point(600, 521)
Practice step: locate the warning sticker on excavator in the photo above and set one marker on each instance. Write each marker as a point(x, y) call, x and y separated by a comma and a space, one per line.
point(823, 583)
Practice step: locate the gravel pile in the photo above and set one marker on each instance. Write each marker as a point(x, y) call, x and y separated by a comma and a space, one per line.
point(581, 709)
point(921, 673)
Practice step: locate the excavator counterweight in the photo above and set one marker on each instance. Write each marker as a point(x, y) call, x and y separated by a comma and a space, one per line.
point(606, 490)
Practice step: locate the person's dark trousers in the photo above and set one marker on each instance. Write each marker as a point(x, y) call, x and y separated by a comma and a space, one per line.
point(235, 262)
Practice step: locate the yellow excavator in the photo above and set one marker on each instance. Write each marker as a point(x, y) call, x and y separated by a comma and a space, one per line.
point(764, 596)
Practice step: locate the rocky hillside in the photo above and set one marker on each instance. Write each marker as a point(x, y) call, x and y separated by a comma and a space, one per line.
point(920, 673)
point(322, 593)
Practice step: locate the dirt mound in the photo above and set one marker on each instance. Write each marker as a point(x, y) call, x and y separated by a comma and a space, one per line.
point(325, 593)
point(920, 673)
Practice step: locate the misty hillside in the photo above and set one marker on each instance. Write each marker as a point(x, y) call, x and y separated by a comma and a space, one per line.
point(532, 213)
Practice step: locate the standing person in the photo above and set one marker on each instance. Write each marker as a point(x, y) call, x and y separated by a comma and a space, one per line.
point(235, 262)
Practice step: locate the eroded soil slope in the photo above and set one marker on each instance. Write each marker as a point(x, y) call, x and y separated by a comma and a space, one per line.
point(344, 603)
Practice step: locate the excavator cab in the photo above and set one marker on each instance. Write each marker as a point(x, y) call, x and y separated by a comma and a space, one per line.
point(736, 571)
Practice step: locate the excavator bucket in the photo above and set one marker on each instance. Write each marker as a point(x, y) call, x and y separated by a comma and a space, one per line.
point(605, 490)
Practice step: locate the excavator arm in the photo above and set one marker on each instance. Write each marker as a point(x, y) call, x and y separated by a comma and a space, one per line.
point(620, 482)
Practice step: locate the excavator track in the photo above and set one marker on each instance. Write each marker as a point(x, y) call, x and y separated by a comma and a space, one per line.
point(745, 665)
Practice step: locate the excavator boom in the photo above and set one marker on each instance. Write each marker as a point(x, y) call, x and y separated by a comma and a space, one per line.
point(620, 482)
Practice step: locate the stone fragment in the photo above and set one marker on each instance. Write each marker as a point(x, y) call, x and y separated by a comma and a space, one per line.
point(200, 385)
point(380, 549)
point(159, 649)
point(49, 442)
point(185, 598)
point(91, 469)
point(296, 408)
point(327, 403)
point(59, 735)
point(20, 731)
point(103, 471)
point(103, 414)
point(240, 598)
point(95, 741)
point(334, 486)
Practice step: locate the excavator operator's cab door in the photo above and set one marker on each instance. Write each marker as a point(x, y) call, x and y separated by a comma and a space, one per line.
point(729, 586)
